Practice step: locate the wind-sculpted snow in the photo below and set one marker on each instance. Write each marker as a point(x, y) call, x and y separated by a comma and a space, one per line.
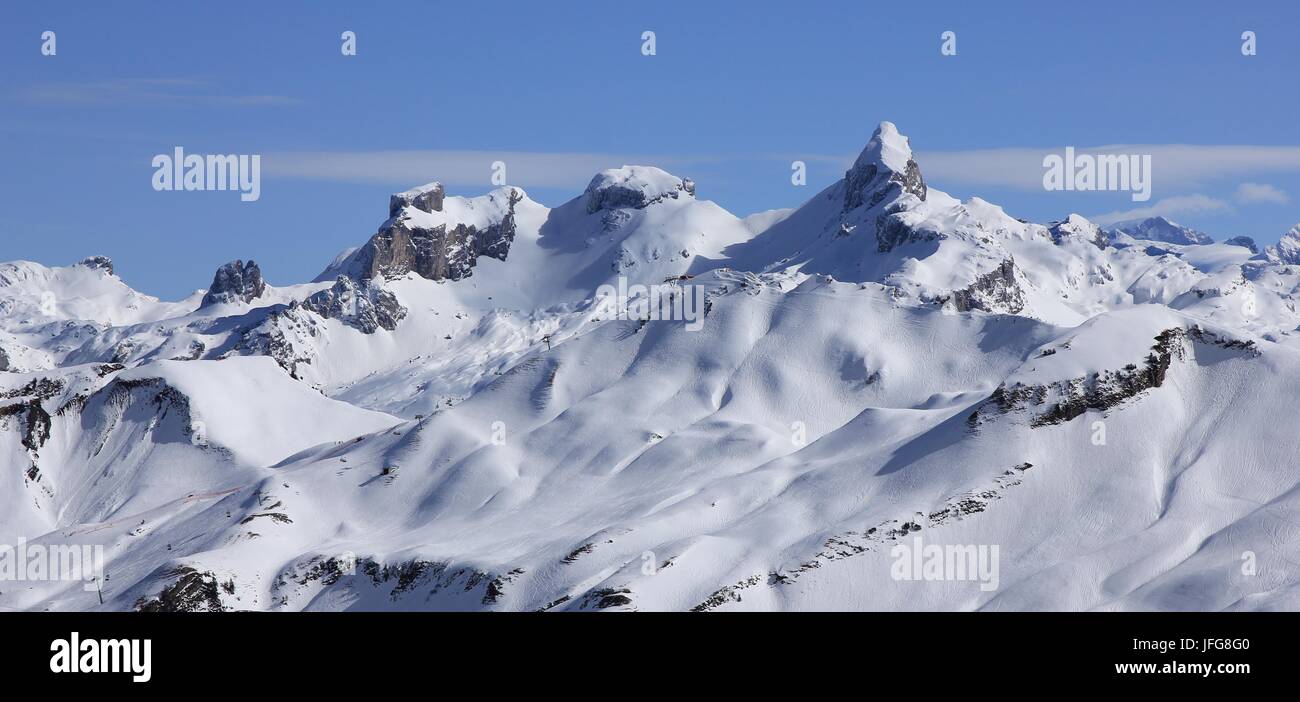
point(448, 419)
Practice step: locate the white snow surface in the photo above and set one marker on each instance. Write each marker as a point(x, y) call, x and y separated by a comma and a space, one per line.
point(1109, 412)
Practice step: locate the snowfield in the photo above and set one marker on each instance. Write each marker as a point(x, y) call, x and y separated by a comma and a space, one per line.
point(444, 419)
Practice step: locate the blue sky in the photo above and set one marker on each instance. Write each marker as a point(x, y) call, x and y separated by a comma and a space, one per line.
point(438, 90)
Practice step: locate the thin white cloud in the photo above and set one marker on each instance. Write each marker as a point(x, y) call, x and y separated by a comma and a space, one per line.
point(181, 92)
point(458, 168)
point(1253, 193)
point(1174, 166)
point(1168, 207)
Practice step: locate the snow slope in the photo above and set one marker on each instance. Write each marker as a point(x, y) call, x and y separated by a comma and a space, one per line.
point(442, 420)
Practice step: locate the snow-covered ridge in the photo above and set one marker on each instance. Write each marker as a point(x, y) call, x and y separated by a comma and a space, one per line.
point(442, 420)
point(635, 187)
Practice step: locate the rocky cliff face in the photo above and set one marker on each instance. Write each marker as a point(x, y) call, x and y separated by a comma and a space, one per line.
point(1077, 227)
point(1243, 241)
point(426, 198)
point(102, 263)
point(884, 170)
point(1287, 251)
point(995, 291)
point(444, 251)
point(634, 187)
point(235, 282)
point(362, 306)
point(1063, 400)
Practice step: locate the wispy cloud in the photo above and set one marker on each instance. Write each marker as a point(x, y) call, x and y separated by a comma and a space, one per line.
point(1167, 207)
point(458, 168)
point(1245, 194)
point(1252, 193)
point(181, 92)
point(1174, 166)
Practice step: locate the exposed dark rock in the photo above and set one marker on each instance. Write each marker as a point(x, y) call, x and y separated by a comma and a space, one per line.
point(35, 423)
point(4, 360)
point(277, 517)
point(427, 198)
point(496, 588)
point(884, 170)
point(730, 593)
point(605, 598)
point(1077, 227)
point(275, 336)
point(235, 282)
point(1106, 389)
point(191, 592)
point(37, 388)
point(634, 187)
point(995, 291)
point(892, 232)
point(1244, 241)
point(1287, 250)
point(871, 183)
point(194, 352)
point(103, 263)
point(402, 246)
point(363, 306)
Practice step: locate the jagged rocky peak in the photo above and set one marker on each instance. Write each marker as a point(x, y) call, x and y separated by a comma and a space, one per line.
point(235, 282)
point(1161, 229)
point(635, 187)
point(1079, 227)
point(436, 237)
point(98, 263)
point(426, 198)
point(885, 163)
point(363, 306)
point(1287, 250)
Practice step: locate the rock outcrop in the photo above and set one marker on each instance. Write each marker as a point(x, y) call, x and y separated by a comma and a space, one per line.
point(1063, 400)
point(102, 263)
point(362, 306)
point(426, 198)
point(1075, 226)
point(884, 170)
point(995, 291)
point(447, 250)
point(235, 282)
point(1287, 250)
point(1243, 241)
point(634, 187)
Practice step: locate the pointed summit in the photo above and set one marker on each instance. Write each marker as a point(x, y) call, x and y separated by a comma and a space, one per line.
point(1287, 250)
point(886, 148)
point(884, 162)
point(235, 282)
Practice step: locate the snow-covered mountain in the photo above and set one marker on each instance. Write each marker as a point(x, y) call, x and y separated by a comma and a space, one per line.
point(1161, 229)
point(449, 418)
